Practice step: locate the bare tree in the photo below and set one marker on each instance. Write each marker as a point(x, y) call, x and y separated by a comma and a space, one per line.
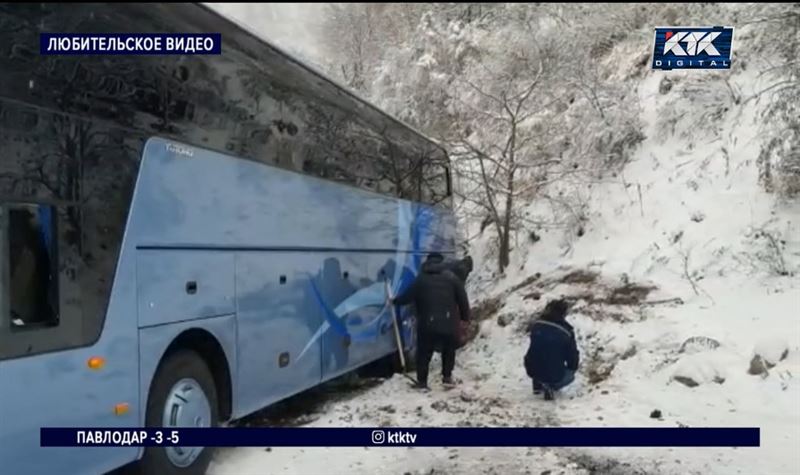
point(512, 97)
point(496, 168)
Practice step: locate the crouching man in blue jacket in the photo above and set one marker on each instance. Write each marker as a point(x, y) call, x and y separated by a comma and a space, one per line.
point(552, 357)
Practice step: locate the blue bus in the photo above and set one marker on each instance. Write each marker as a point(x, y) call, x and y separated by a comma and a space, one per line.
point(185, 240)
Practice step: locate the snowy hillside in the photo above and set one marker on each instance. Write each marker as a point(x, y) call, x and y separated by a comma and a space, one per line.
point(700, 231)
point(688, 218)
point(684, 279)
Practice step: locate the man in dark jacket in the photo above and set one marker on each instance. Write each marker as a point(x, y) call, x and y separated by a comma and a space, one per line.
point(437, 293)
point(552, 357)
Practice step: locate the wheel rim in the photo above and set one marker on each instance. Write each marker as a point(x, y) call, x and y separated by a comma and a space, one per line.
point(186, 406)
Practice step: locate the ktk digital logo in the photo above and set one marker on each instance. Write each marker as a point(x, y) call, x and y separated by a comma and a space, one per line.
point(682, 47)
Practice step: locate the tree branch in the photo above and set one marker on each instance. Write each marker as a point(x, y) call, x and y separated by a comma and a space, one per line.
point(481, 92)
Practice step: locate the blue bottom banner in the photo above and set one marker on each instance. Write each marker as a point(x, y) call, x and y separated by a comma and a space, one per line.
point(403, 437)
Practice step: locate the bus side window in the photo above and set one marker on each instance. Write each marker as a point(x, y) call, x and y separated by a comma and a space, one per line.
point(31, 275)
point(436, 185)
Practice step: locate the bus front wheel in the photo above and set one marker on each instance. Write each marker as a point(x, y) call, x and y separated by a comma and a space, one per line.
point(182, 394)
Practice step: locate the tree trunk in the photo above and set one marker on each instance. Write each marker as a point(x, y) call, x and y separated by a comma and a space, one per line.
point(505, 228)
point(505, 233)
point(505, 251)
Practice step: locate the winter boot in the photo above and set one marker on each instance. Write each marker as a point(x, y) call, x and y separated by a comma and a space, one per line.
point(548, 394)
point(537, 388)
point(448, 381)
point(420, 386)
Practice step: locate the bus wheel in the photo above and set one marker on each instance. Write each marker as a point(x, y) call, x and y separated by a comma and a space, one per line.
point(183, 394)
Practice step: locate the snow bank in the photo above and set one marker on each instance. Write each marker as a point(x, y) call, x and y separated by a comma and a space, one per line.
point(772, 350)
point(699, 369)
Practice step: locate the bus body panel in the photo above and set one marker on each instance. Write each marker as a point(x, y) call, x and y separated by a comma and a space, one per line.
point(277, 321)
point(154, 341)
point(175, 286)
point(357, 327)
point(58, 389)
point(306, 317)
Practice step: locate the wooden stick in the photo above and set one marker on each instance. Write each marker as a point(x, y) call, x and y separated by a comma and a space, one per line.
point(396, 328)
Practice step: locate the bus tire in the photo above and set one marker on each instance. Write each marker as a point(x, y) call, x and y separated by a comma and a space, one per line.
point(184, 373)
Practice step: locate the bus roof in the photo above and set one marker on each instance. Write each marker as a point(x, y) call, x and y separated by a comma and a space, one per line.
point(320, 75)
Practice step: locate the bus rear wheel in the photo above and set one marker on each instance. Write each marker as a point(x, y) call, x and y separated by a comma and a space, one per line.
point(183, 394)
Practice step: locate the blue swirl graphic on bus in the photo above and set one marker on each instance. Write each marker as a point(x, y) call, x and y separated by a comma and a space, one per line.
point(366, 297)
point(421, 228)
point(412, 226)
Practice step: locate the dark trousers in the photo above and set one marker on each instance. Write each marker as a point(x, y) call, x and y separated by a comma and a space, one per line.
point(427, 343)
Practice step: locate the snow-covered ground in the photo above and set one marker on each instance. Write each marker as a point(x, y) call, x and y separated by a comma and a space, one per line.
point(683, 245)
